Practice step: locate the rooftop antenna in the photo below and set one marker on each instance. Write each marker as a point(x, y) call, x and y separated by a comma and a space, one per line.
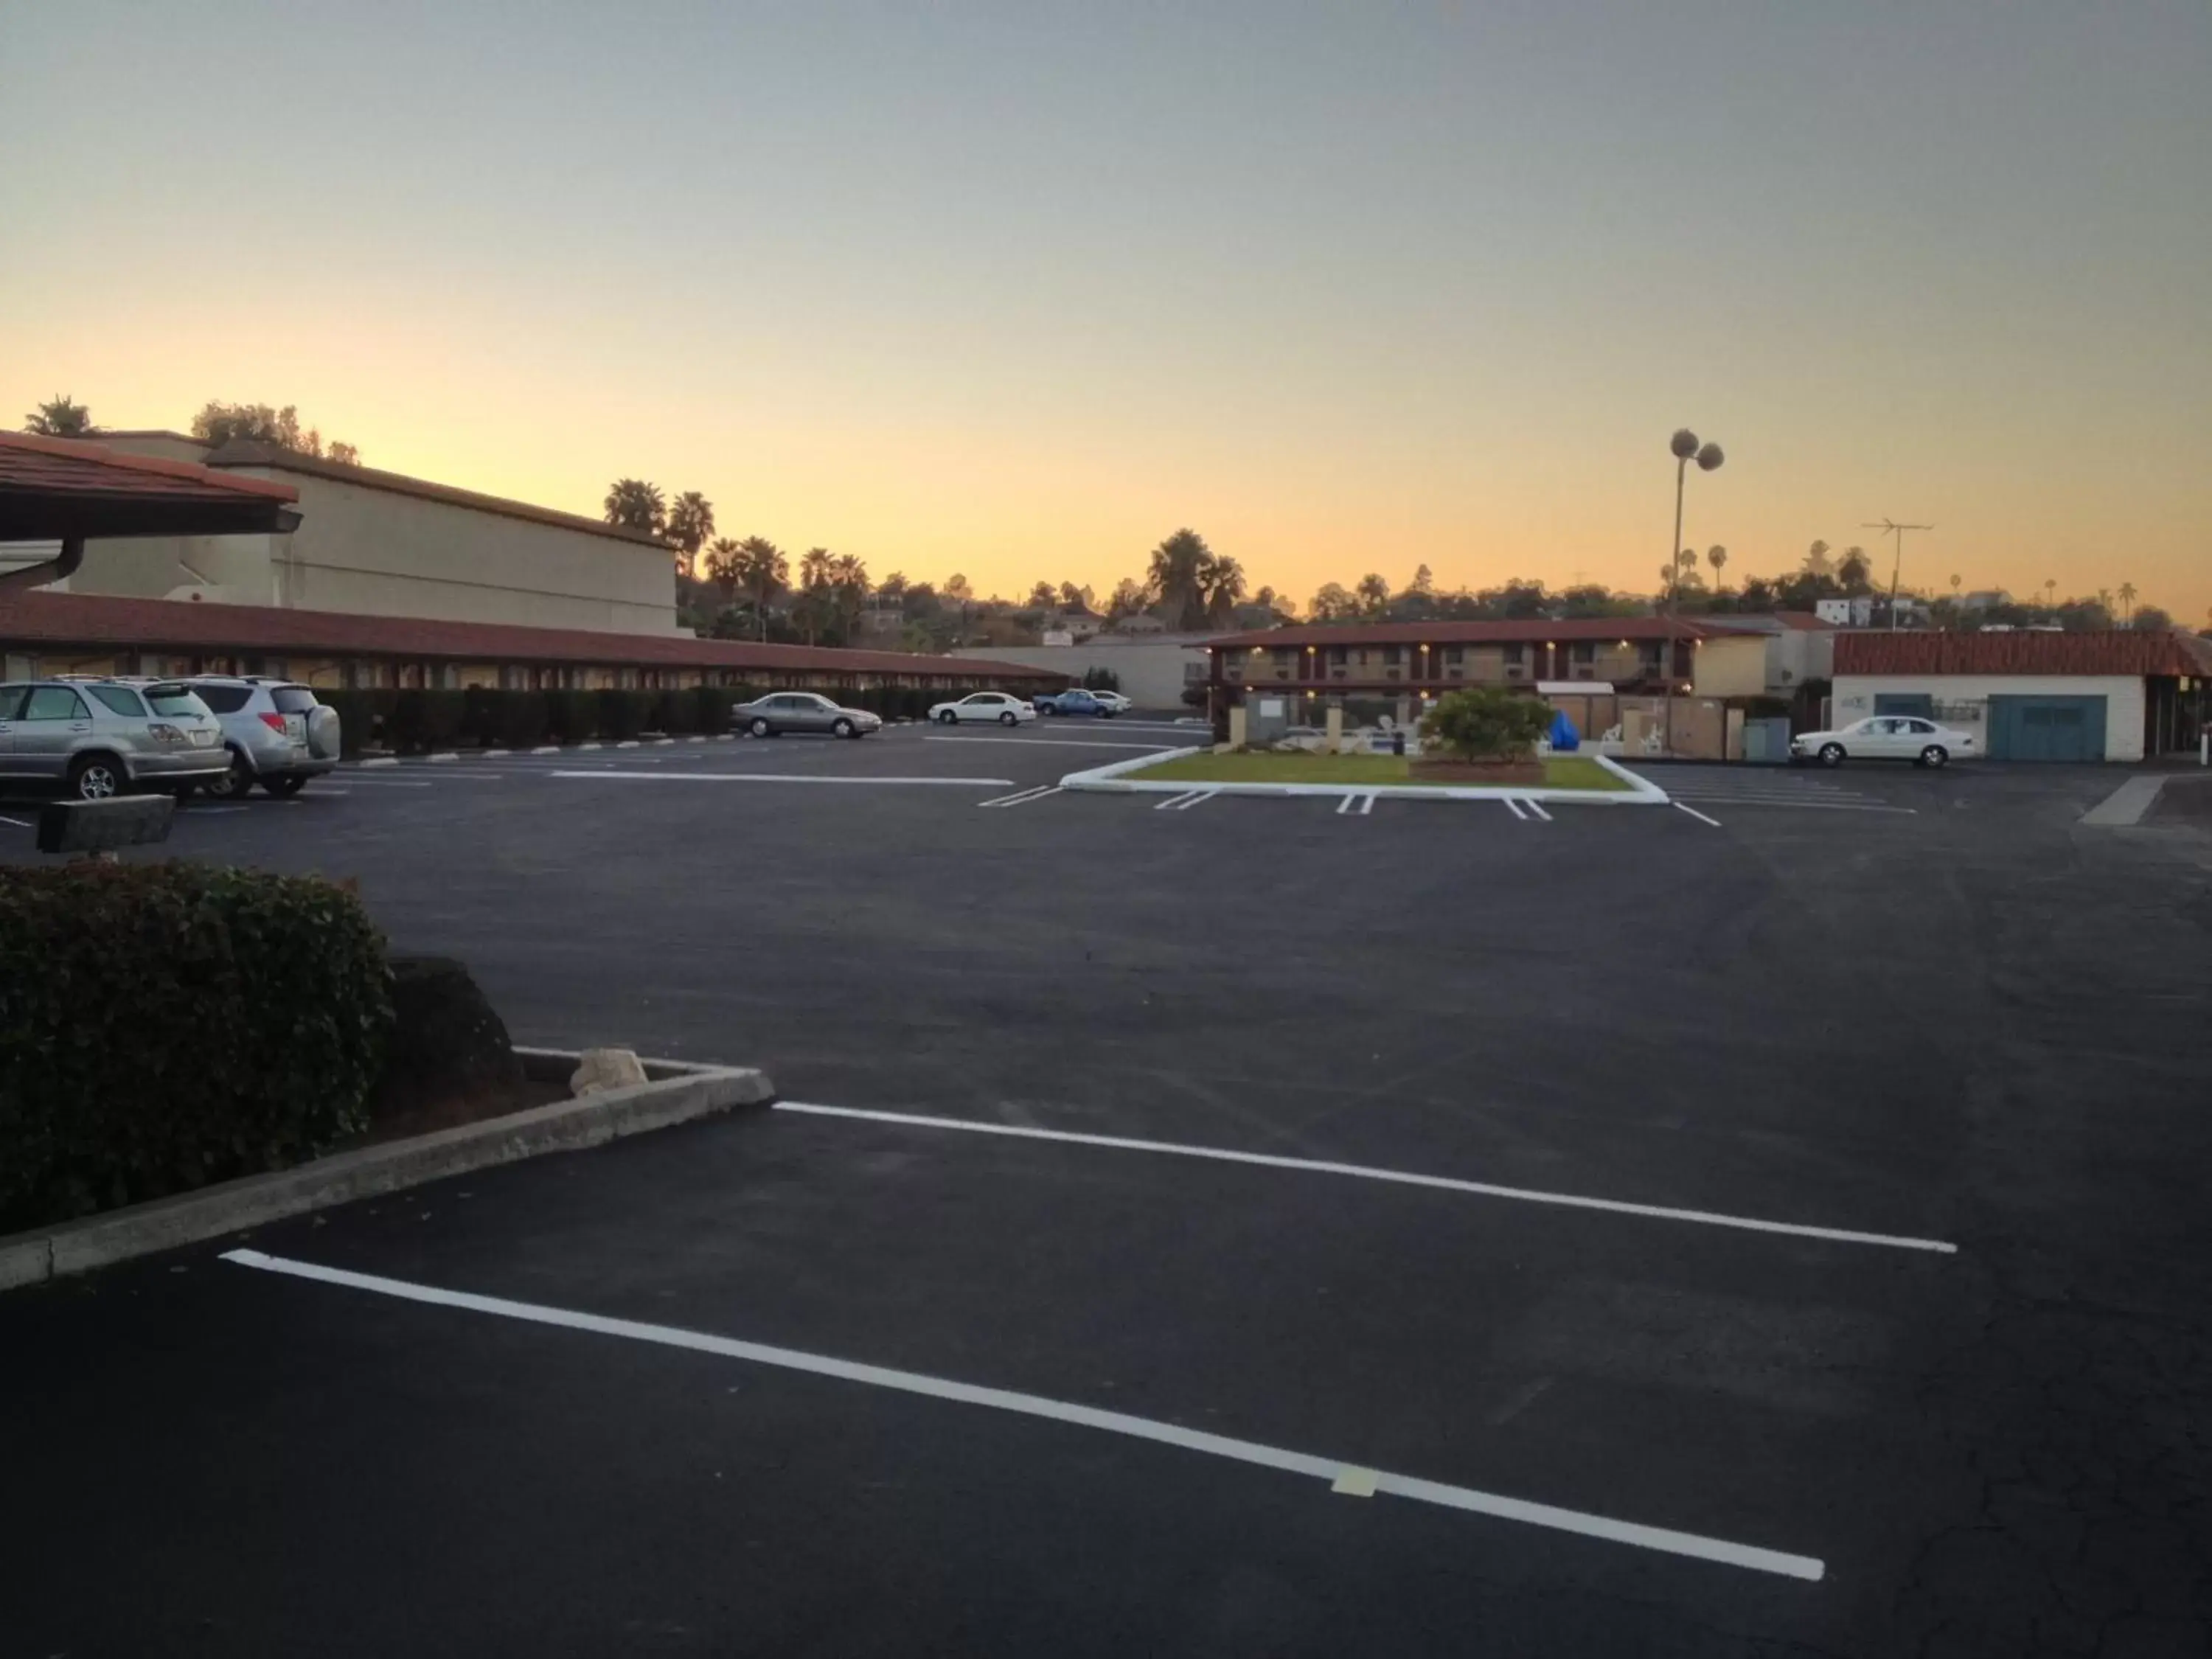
point(1892, 528)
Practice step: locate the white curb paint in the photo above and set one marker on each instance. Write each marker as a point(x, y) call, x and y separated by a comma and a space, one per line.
point(1369, 1172)
point(1467, 1499)
point(1115, 779)
point(627, 743)
point(609, 775)
point(581, 746)
point(491, 754)
point(694, 739)
point(381, 760)
point(441, 756)
point(547, 748)
point(21, 825)
point(2126, 804)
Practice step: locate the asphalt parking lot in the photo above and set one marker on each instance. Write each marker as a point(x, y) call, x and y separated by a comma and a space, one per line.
point(1802, 1253)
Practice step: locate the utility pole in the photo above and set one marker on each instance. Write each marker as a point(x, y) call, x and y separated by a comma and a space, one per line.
point(1890, 527)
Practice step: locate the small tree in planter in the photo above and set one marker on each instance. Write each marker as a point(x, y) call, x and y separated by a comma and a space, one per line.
point(1484, 734)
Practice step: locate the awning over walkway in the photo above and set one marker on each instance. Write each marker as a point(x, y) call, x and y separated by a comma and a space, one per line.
point(68, 490)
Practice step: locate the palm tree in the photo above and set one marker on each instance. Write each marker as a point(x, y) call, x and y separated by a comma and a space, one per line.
point(1716, 557)
point(2128, 598)
point(60, 417)
point(848, 575)
point(690, 521)
point(1223, 584)
point(764, 573)
point(1177, 570)
point(633, 504)
point(725, 566)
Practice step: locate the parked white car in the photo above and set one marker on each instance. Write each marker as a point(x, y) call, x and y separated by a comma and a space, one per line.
point(1115, 700)
point(984, 706)
point(1886, 736)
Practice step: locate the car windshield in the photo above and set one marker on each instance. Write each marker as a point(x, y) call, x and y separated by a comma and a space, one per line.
point(176, 700)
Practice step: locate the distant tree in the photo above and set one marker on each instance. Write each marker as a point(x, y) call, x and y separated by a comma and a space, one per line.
point(60, 417)
point(1487, 723)
point(1716, 557)
point(1043, 597)
point(1593, 599)
point(1334, 603)
point(957, 590)
point(893, 587)
point(763, 573)
point(1223, 584)
point(2150, 620)
point(219, 423)
point(1853, 569)
point(1373, 594)
point(1177, 572)
point(1757, 595)
point(690, 522)
point(849, 586)
point(1130, 598)
point(1522, 599)
point(1072, 598)
point(1423, 580)
point(726, 568)
point(633, 504)
point(2127, 599)
point(346, 454)
point(1816, 561)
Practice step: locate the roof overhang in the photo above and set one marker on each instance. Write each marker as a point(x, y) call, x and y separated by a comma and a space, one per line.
point(69, 491)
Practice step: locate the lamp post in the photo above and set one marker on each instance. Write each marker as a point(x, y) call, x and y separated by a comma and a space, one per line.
point(1686, 448)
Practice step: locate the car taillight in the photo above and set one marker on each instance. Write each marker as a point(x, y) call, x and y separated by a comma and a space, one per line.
point(161, 734)
point(274, 722)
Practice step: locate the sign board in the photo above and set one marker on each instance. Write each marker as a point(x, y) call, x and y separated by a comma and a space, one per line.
point(101, 826)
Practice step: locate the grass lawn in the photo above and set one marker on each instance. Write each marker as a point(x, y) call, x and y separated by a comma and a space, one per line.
point(1560, 771)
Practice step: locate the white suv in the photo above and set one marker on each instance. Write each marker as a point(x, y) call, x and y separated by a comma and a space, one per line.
point(278, 734)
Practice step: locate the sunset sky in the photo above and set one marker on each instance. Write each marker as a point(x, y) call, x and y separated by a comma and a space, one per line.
point(1015, 290)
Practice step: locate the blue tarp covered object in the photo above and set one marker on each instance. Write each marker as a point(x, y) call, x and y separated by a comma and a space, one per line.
point(1565, 738)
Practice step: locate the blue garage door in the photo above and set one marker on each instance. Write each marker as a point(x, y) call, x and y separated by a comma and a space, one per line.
point(2047, 728)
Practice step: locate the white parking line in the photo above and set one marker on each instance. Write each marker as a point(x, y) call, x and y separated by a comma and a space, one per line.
point(1537, 807)
point(611, 775)
point(1057, 743)
point(1467, 1499)
point(387, 783)
point(1023, 797)
point(1514, 807)
point(1174, 802)
point(1696, 814)
point(1801, 805)
point(1345, 805)
point(1196, 798)
point(18, 823)
point(1369, 1172)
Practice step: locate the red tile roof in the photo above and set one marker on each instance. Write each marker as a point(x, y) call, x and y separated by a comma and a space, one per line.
point(1465, 633)
point(2116, 653)
point(27, 460)
point(239, 454)
point(85, 619)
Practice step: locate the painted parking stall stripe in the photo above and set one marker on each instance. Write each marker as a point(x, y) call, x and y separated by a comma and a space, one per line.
point(1369, 1172)
point(614, 776)
point(1023, 797)
point(1340, 1474)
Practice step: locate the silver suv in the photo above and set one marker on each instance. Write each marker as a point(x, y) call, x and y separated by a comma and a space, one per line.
point(98, 737)
point(275, 733)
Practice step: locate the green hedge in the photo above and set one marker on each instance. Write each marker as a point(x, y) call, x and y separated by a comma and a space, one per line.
point(166, 1025)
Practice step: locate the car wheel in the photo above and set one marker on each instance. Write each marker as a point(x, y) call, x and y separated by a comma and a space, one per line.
point(948, 718)
point(281, 788)
point(760, 727)
point(1010, 719)
point(1935, 755)
point(844, 728)
point(1831, 754)
point(234, 783)
point(96, 777)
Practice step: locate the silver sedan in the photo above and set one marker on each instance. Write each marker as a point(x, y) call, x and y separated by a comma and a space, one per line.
point(802, 711)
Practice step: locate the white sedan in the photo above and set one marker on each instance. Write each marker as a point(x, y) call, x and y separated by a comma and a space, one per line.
point(1886, 736)
point(984, 706)
point(1115, 700)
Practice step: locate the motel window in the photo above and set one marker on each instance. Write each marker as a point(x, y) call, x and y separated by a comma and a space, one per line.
point(1336, 657)
point(1585, 651)
point(1455, 655)
point(1193, 672)
point(1514, 652)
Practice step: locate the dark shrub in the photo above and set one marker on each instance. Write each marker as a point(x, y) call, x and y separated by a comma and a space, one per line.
point(165, 1025)
point(483, 713)
point(671, 715)
point(442, 717)
point(572, 716)
point(523, 719)
point(711, 706)
point(404, 726)
point(621, 713)
point(447, 1043)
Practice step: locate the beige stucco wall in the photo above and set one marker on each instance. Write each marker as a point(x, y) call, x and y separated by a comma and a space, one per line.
point(1962, 700)
point(378, 552)
point(1731, 667)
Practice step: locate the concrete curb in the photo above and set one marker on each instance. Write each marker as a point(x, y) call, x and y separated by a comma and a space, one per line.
point(586, 745)
point(627, 743)
point(1113, 779)
point(547, 748)
point(441, 755)
point(674, 1092)
point(381, 760)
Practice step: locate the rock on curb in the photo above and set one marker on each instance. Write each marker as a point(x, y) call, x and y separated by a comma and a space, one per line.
point(674, 1093)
